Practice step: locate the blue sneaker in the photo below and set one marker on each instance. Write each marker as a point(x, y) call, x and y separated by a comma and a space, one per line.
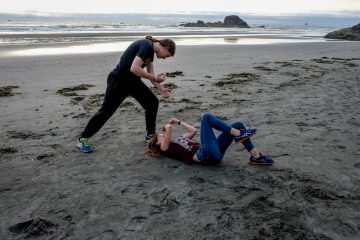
point(262, 160)
point(83, 144)
point(148, 137)
point(245, 135)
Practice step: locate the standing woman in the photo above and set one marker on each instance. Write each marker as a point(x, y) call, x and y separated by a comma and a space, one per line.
point(125, 80)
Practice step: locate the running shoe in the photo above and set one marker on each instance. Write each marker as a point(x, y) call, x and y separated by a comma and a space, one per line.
point(83, 144)
point(148, 137)
point(245, 135)
point(262, 160)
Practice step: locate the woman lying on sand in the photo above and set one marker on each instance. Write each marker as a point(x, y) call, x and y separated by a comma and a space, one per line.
point(212, 149)
point(125, 80)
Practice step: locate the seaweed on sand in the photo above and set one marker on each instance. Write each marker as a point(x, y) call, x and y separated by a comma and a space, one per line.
point(322, 60)
point(174, 74)
point(170, 86)
point(265, 68)
point(23, 135)
point(70, 91)
point(93, 101)
point(6, 91)
point(8, 150)
point(236, 78)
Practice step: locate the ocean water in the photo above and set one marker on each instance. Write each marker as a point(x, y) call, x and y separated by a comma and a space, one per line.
point(133, 23)
point(103, 32)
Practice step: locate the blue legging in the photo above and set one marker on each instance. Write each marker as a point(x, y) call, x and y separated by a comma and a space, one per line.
point(213, 148)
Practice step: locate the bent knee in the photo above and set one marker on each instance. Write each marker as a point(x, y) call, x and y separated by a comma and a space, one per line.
point(206, 115)
point(238, 125)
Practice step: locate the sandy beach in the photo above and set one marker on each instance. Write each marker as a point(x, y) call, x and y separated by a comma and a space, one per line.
point(302, 97)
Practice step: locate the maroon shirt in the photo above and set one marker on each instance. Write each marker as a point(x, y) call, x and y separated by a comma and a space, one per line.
point(182, 148)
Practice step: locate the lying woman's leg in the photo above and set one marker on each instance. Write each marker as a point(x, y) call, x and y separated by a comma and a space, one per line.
point(210, 150)
point(224, 140)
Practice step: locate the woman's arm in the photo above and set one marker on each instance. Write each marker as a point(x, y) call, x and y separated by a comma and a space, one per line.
point(167, 137)
point(164, 91)
point(138, 71)
point(191, 131)
point(150, 68)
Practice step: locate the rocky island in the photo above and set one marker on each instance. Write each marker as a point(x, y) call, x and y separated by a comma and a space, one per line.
point(351, 33)
point(229, 22)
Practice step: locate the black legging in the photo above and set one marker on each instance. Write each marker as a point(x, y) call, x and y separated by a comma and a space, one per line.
point(116, 91)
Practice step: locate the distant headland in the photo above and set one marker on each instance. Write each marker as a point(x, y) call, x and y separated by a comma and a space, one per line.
point(351, 33)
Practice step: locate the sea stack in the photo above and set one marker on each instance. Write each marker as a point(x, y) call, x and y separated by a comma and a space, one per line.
point(231, 21)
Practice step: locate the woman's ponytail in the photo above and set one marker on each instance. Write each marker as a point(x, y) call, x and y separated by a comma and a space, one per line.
point(151, 38)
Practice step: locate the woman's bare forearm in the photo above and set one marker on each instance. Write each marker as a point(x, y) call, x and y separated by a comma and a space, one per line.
point(187, 126)
point(167, 137)
point(191, 131)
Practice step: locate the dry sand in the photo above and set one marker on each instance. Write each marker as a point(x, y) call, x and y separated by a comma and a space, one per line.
point(302, 98)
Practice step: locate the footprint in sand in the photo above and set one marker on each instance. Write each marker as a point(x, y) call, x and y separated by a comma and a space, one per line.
point(163, 201)
point(136, 223)
point(138, 219)
point(33, 227)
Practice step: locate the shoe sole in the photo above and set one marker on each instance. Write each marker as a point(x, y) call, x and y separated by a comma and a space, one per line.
point(255, 163)
point(240, 141)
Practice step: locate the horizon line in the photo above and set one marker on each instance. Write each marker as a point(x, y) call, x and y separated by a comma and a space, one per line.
point(353, 13)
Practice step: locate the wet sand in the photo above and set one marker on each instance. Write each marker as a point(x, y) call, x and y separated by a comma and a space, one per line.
point(303, 98)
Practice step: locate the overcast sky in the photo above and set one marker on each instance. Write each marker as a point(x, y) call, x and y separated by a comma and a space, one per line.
point(276, 7)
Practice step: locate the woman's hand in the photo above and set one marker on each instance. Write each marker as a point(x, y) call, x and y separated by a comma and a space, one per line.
point(173, 121)
point(160, 78)
point(165, 93)
point(166, 127)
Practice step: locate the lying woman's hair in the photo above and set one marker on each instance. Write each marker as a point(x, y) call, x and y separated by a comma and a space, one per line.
point(165, 43)
point(152, 149)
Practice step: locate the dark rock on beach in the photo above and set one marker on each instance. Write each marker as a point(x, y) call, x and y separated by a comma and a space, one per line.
point(351, 33)
point(229, 22)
